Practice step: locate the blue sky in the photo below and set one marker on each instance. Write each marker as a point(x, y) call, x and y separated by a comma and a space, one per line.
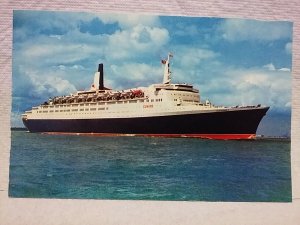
point(231, 61)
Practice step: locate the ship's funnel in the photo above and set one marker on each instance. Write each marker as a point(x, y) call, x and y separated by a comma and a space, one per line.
point(100, 70)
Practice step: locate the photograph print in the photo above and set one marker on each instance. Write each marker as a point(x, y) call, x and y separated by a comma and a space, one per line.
point(147, 107)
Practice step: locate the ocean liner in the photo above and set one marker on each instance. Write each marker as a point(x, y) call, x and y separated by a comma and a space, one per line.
point(165, 110)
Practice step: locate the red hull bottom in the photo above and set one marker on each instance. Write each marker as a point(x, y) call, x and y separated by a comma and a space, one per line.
point(202, 136)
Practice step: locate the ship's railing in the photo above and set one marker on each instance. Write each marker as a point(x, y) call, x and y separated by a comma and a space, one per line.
point(111, 96)
point(109, 102)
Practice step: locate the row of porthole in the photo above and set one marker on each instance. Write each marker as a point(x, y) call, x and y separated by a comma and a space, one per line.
point(73, 110)
point(183, 95)
point(92, 109)
point(89, 104)
point(130, 101)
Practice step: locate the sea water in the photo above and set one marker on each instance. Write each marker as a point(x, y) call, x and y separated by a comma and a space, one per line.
point(136, 168)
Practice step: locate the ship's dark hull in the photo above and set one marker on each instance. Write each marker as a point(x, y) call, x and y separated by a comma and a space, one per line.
point(237, 124)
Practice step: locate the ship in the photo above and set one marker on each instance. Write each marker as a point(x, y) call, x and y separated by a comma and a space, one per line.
point(160, 110)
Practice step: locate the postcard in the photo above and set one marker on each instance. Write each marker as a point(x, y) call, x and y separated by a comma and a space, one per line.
point(140, 107)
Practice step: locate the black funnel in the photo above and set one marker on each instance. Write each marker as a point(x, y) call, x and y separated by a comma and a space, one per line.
point(100, 70)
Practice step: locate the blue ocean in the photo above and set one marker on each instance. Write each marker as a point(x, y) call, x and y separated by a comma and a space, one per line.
point(138, 168)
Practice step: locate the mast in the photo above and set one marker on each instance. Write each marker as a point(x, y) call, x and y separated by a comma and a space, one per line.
point(167, 72)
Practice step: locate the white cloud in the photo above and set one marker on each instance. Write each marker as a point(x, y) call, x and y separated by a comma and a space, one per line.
point(285, 69)
point(41, 22)
point(47, 84)
point(188, 57)
point(73, 67)
point(126, 21)
point(135, 41)
point(76, 67)
point(288, 48)
point(270, 67)
point(56, 36)
point(195, 56)
point(135, 74)
point(251, 87)
point(55, 53)
point(184, 29)
point(241, 30)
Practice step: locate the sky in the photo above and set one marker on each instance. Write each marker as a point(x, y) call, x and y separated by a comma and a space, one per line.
point(231, 61)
